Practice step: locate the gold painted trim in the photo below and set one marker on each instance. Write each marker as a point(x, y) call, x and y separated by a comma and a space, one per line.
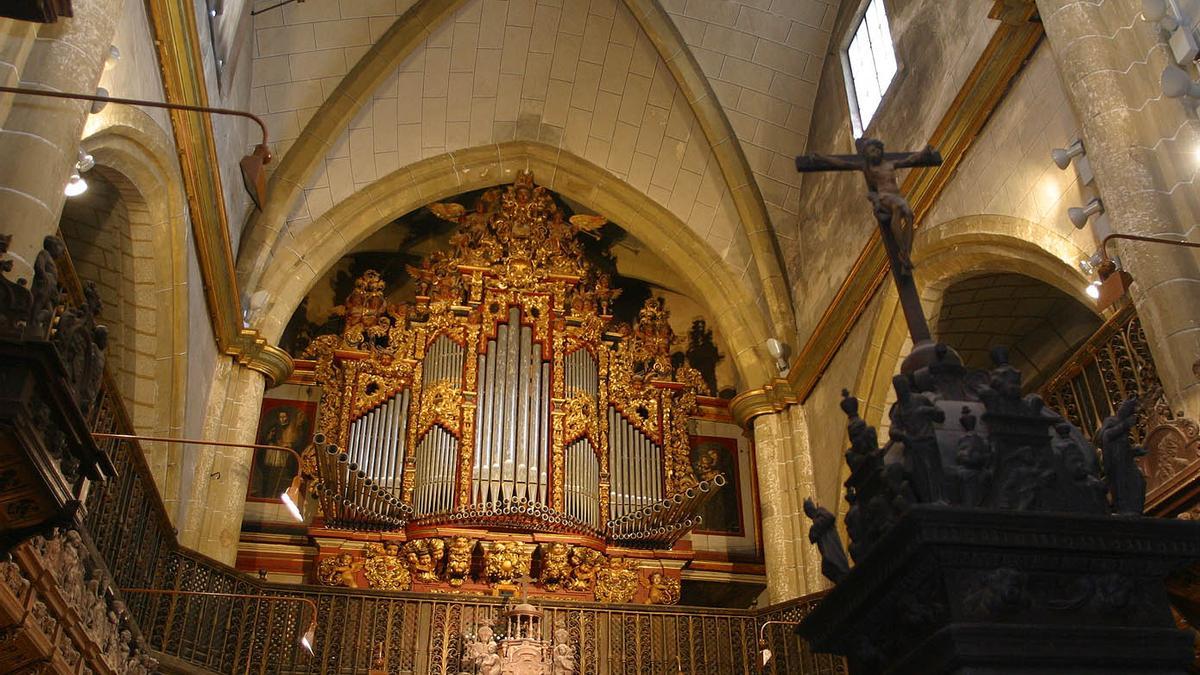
point(177, 43)
point(1005, 55)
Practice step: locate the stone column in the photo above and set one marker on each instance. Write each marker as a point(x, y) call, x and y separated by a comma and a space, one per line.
point(213, 501)
point(785, 479)
point(44, 133)
point(1143, 148)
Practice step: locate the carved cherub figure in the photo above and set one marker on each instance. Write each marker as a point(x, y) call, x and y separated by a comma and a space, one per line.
point(662, 589)
point(338, 571)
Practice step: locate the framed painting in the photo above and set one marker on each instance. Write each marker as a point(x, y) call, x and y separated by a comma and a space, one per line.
point(284, 422)
point(722, 514)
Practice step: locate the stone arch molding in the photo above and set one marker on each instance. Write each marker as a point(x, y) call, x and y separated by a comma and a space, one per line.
point(754, 254)
point(139, 155)
point(294, 269)
point(949, 252)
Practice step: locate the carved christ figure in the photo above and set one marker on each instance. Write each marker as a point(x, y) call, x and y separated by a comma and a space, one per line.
point(879, 169)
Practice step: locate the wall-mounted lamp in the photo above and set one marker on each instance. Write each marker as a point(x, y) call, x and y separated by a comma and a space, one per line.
point(780, 352)
point(252, 166)
point(1115, 281)
point(114, 55)
point(1062, 159)
point(76, 185)
point(292, 497)
point(764, 652)
point(1079, 215)
point(307, 638)
point(1088, 265)
point(1062, 156)
point(1177, 83)
point(85, 162)
point(1180, 29)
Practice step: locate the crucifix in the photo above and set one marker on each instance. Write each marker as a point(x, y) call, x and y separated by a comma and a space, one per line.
point(892, 213)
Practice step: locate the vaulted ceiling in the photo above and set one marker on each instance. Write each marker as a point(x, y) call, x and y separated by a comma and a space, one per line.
point(698, 105)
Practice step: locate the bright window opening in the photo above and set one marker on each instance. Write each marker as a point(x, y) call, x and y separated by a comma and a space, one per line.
point(871, 58)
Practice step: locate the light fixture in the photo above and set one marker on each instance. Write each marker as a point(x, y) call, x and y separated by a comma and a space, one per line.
point(1160, 12)
point(100, 102)
point(764, 652)
point(114, 55)
point(1088, 265)
point(76, 185)
point(85, 162)
point(779, 351)
point(292, 497)
point(1115, 281)
point(1177, 83)
point(1062, 156)
point(1079, 215)
point(253, 174)
point(1093, 290)
point(310, 636)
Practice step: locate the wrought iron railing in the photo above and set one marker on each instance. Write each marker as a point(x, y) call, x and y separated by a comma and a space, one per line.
point(1114, 364)
point(418, 633)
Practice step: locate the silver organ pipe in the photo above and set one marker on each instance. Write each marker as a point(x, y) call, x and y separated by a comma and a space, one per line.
point(582, 483)
point(512, 419)
point(635, 467)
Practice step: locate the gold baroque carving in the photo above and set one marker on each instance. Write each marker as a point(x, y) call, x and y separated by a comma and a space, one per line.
point(556, 569)
point(440, 402)
point(663, 589)
point(424, 557)
point(338, 570)
point(617, 581)
point(385, 568)
point(505, 562)
point(458, 559)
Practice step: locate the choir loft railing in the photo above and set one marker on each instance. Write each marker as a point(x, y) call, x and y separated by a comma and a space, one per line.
point(420, 633)
point(1116, 364)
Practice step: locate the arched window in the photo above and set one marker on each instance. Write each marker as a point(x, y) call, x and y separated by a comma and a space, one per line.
point(870, 64)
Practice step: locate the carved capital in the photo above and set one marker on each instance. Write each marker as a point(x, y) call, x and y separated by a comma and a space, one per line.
point(253, 351)
point(775, 396)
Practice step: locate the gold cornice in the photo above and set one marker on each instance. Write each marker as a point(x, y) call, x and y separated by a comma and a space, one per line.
point(1006, 53)
point(775, 397)
point(177, 43)
point(254, 352)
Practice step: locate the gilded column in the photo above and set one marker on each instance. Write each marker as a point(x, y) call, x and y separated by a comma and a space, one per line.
point(214, 501)
point(66, 56)
point(1143, 148)
point(785, 479)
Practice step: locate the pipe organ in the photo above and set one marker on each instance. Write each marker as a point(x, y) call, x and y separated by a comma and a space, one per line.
point(505, 396)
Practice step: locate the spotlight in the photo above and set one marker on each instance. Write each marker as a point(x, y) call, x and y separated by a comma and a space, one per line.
point(97, 106)
point(1093, 290)
point(779, 351)
point(85, 162)
point(254, 173)
point(1158, 11)
point(1079, 216)
point(766, 656)
point(114, 55)
point(1177, 83)
point(1062, 156)
point(309, 637)
point(293, 499)
point(1089, 265)
point(76, 185)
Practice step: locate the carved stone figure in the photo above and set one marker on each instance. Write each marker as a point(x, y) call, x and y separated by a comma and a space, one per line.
point(974, 458)
point(563, 661)
point(1125, 480)
point(45, 290)
point(338, 571)
point(914, 415)
point(491, 663)
point(15, 300)
point(823, 532)
point(662, 589)
point(88, 386)
point(458, 559)
point(555, 567)
point(1081, 489)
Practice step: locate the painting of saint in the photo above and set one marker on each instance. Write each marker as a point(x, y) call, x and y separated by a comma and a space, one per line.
point(713, 455)
point(285, 423)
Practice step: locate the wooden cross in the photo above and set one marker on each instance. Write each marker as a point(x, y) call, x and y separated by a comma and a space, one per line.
point(892, 213)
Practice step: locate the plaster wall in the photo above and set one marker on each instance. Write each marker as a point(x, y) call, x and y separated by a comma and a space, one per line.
point(936, 50)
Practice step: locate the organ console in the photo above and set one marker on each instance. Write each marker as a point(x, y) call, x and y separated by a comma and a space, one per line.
point(504, 395)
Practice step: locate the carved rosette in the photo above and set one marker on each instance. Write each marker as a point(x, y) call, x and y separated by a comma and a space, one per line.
point(504, 562)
